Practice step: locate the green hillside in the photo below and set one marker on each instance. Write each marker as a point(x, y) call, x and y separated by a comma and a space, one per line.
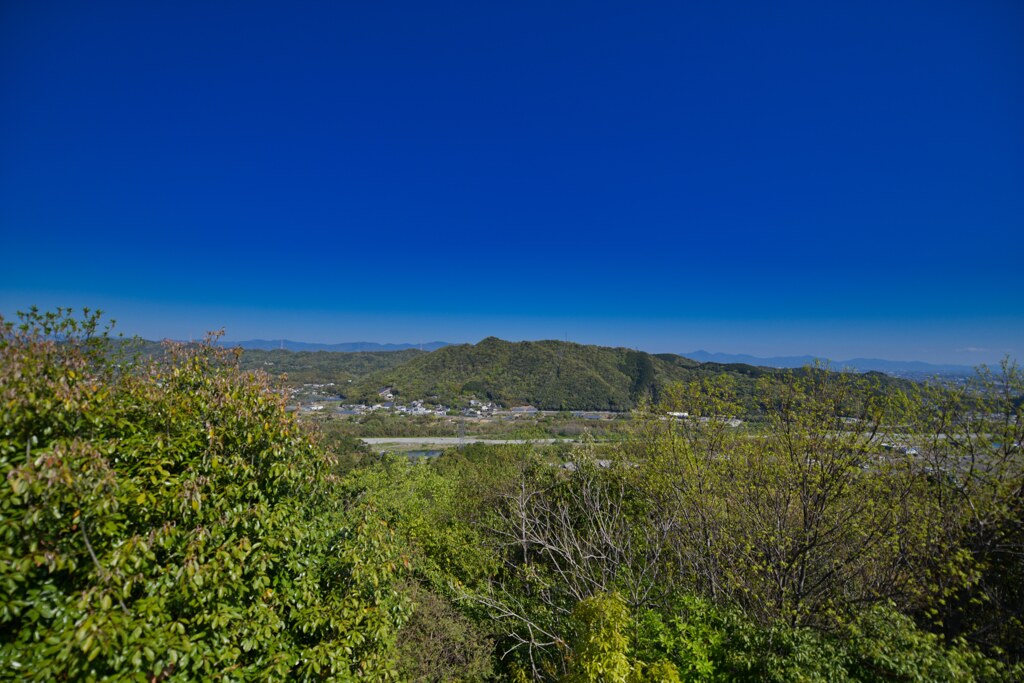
point(321, 367)
point(550, 375)
point(300, 367)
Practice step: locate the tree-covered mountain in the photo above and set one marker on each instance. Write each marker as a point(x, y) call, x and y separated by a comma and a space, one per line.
point(550, 375)
point(306, 367)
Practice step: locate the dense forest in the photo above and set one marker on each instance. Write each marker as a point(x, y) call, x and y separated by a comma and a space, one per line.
point(164, 518)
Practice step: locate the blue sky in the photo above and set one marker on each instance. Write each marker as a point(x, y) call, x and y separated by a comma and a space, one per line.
point(766, 178)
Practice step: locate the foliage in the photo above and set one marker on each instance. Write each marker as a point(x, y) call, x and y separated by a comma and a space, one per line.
point(796, 535)
point(970, 447)
point(345, 450)
point(709, 643)
point(801, 522)
point(690, 636)
point(426, 511)
point(170, 521)
point(439, 643)
point(600, 643)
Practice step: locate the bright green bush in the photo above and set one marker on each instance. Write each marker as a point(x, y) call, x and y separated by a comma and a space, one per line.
point(169, 521)
point(709, 643)
point(601, 641)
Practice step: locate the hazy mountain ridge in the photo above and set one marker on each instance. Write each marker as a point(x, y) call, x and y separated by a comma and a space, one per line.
point(343, 347)
point(856, 364)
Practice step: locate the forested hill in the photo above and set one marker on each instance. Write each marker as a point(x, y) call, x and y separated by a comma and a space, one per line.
point(550, 375)
point(304, 367)
point(299, 367)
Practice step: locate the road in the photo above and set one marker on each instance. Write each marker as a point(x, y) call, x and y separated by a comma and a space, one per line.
point(446, 441)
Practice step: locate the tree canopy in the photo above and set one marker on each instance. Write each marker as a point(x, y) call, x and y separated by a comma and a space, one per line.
point(168, 520)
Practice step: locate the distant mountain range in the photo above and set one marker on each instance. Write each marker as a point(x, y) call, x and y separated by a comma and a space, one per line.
point(346, 347)
point(856, 364)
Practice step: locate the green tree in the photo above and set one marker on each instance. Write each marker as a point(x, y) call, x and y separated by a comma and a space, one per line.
point(169, 520)
point(969, 443)
point(601, 642)
point(802, 519)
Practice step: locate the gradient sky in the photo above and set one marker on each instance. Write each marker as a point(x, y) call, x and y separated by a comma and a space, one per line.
point(767, 178)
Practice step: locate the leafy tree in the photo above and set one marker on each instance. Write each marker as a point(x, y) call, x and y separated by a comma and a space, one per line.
point(440, 643)
point(170, 521)
point(804, 520)
point(800, 537)
point(969, 443)
point(601, 642)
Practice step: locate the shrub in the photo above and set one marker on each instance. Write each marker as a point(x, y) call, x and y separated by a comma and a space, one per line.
point(169, 520)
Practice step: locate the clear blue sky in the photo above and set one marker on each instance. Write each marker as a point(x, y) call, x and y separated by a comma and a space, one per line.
point(841, 179)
